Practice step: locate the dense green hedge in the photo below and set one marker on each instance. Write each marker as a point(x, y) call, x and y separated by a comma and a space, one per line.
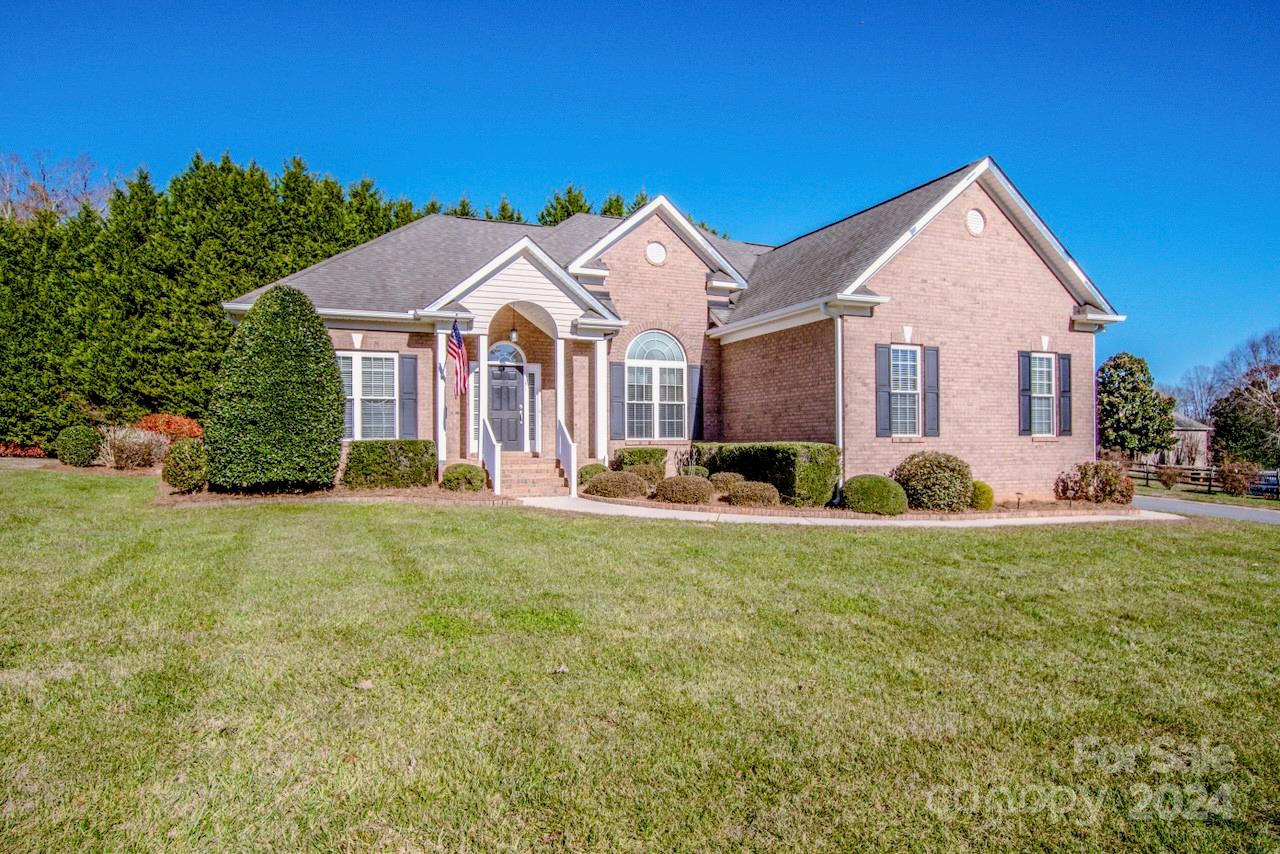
point(390, 462)
point(804, 473)
point(935, 481)
point(78, 446)
point(186, 468)
point(624, 457)
point(464, 477)
point(874, 493)
point(275, 422)
point(590, 470)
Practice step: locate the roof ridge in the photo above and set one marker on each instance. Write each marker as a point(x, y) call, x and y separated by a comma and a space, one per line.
point(486, 219)
point(880, 203)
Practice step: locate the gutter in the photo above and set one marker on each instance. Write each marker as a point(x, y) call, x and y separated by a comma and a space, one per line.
point(840, 303)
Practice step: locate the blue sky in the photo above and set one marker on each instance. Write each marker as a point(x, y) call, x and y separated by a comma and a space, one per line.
point(1146, 137)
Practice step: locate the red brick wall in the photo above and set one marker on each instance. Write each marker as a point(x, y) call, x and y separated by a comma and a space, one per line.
point(671, 297)
point(781, 386)
point(979, 300)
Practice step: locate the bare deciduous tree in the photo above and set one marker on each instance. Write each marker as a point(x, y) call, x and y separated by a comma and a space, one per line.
point(63, 186)
point(1197, 390)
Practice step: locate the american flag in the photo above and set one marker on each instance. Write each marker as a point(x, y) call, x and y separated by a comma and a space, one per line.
point(458, 351)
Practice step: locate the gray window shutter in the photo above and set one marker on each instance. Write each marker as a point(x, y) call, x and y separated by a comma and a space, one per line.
point(931, 391)
point(1024, 393)
point(617, 400)
point(1064, 394)
point(695, 401)
point(883, 425)
point(408, 396)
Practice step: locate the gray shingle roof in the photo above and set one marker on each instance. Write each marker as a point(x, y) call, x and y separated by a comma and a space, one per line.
point(1182, 422)
point(824, 262)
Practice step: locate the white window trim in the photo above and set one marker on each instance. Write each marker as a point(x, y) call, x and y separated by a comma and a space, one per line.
point(1052, 395)
point(655, 383)
point(473, 415)
point(919, 351)
point(356, 382)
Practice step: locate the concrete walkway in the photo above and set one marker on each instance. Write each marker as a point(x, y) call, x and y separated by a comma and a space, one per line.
point(601, 508)
point(1205, 508)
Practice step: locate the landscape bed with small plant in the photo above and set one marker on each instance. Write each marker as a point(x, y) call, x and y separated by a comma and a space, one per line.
point(304, 676)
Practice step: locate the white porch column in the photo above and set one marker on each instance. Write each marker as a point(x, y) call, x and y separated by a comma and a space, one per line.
point(602, 400)
point(442, 453)
point(840, 393)
point(559, 381)
point(482, 377)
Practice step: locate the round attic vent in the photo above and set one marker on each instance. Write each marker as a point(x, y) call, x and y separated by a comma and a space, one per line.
point(975, 222)
point(655, 253)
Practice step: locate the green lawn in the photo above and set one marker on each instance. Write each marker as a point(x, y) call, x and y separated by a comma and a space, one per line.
point(351, 676)
point(1199, 493)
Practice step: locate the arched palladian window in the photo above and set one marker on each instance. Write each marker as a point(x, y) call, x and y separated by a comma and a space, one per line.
point(655, 387)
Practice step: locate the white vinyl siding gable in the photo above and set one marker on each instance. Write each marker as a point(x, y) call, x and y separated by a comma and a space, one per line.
point(521, 280)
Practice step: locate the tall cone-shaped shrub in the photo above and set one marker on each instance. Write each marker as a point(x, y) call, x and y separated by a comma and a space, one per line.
point(275, 421)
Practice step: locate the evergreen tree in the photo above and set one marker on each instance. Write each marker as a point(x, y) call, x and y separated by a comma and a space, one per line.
point(1132, 416)
point(638, 201)
point(563, 205)
point(431, 207)
point(613, 205)
point(462, 208)
point(506, 213)
point(1246, 429)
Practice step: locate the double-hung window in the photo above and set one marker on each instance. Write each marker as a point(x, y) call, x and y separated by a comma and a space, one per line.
point(656, 387)
point(904, 390)
point(1042, 394)
point(369, 386)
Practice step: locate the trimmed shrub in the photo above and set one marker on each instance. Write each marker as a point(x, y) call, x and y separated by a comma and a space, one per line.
point(590, 470)
point(722, 480)
point(275, 421)
point(874, 493)
point(695, 471)
point(685, 489)
point(1099, 482)
point(464, 477)
point(649, 473)
point(131, 448)
point(13, 449)
point(935, 481)
point(186, 468)
point(1169, 476)
point(804, 473)
point(624, 457)
point(172, 427)
point(78, 446)
point(753, 493)
point(1237, 476)
point(390, 462)
point(984, 497)
point(617, 484)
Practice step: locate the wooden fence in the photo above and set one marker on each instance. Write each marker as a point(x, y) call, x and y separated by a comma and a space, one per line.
point(1265, 485)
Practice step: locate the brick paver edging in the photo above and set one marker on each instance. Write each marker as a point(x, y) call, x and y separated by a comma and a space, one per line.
point(834, 513)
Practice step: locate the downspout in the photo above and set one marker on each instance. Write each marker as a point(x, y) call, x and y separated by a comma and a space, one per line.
point(839, 384)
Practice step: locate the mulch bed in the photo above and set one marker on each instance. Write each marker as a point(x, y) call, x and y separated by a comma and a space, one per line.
point(1029, 510)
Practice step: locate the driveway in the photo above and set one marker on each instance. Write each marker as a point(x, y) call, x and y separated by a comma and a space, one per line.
point(1204, 508)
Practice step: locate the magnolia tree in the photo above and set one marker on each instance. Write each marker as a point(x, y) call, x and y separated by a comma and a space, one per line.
point(1132, 416)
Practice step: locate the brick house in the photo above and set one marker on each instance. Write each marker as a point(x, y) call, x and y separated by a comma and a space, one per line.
point(948, 317)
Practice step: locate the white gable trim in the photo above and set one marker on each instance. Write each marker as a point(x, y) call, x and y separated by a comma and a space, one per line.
point(1022, 215)
point(678, 222)
point(526, 247)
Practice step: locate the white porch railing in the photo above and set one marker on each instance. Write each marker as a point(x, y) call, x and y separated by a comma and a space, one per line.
point(491, 455)
point(567, 456)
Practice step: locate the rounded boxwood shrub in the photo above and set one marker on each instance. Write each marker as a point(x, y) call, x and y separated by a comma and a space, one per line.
point(652, 474)
point(984, 497)
point(78, 446)
point(275, 421)
point(590, 470)
point(695, 471)
point(186, 467)
point(753, 493)
point(722, 480)
point(624, 457)
point(685, 489)
point(617, 484)
point(935, 481)
point(874, 493)
point(464, 477)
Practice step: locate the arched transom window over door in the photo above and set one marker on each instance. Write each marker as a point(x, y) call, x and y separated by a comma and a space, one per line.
point(656, 387)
